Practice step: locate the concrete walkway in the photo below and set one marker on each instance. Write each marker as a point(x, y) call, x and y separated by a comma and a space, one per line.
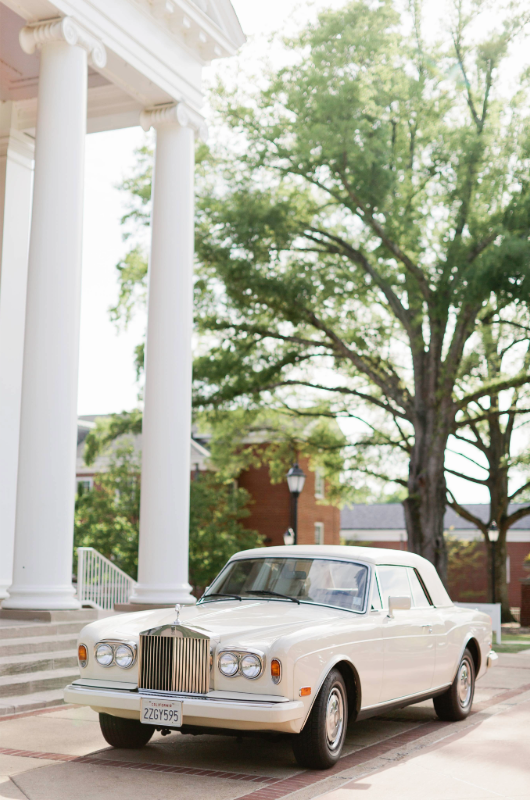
point(61, 755)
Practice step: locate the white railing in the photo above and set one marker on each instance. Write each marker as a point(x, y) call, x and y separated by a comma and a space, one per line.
point(100, 583)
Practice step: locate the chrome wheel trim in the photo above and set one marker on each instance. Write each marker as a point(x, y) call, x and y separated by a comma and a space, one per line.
point(464, 682)
point(334, 718)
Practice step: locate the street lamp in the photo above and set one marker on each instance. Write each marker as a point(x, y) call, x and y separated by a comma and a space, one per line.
point(295, 481)
point(493, 535)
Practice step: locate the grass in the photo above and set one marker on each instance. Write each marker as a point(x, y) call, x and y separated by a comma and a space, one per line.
point(513, 643)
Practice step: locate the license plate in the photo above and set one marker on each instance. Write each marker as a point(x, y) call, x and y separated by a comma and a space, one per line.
point(165, 712)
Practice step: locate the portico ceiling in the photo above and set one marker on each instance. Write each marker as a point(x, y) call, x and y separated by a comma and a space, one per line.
point(155, 53)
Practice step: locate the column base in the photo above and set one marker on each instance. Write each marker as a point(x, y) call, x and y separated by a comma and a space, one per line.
point(160, 595)
point(42, 598)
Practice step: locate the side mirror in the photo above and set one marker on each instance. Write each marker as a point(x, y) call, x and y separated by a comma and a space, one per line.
point(398, 604)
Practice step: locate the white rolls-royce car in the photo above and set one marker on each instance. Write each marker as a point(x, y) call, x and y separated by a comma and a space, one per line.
point(301, 640)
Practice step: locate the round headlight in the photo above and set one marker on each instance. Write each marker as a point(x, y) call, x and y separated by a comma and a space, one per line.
point(251, 666)
point(104, 655)
point(229, 664)
point(124, 656)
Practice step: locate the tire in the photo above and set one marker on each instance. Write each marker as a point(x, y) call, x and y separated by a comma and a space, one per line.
point(455, 704)
point(129, 734)
point(319, 744)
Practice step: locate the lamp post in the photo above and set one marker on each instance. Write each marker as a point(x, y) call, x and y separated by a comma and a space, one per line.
point(295, 481)
point(493, 535)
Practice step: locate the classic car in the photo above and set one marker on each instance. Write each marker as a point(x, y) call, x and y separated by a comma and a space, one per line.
point(301, 640)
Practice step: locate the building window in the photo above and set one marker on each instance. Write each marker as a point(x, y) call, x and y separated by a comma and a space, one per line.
point(84, 485)
point(319, 485)
point(319, 533)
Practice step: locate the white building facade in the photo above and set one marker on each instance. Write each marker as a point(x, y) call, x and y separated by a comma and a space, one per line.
point(68, 68)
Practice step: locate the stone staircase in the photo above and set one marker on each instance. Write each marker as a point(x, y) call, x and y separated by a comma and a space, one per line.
point(38, 657)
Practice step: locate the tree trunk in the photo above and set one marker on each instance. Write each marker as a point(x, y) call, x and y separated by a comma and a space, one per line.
point(425, 505)
point(501, 587)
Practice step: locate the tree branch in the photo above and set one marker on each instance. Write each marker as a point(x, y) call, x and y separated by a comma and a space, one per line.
point(465, 514)
point(466, 477)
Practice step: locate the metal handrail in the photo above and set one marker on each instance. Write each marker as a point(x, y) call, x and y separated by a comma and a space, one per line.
point(100, 583)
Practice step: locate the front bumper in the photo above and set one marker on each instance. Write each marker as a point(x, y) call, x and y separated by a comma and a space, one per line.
point(209, 711)
point(491, 659)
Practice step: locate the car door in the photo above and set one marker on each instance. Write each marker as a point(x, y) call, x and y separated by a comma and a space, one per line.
point(409, 651)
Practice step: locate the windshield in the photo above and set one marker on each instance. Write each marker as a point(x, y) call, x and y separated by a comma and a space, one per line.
point(341, 584)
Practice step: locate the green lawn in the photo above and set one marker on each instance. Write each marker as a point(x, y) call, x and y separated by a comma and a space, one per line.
point(513, 643)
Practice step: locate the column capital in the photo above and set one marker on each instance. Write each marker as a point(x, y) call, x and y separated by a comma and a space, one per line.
point(179, 113)
point(66, 30)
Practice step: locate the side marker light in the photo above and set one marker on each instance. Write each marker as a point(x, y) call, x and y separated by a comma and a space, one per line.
point(305, 691)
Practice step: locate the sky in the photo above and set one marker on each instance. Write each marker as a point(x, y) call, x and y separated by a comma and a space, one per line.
point(107, 381)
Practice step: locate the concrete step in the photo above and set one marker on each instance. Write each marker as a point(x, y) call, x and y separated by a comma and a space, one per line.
point(22, 615)
point(31, 682)
point(17, 630)
point(38, 644)
point(18, 704)
point(37, 662)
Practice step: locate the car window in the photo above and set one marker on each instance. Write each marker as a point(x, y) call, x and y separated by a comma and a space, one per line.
point(394, 582)
point(312, 580)
point(418, 594)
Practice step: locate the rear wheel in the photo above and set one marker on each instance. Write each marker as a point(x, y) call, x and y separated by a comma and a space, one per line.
point(455, 704)
point(130, 734)
point(320, 743)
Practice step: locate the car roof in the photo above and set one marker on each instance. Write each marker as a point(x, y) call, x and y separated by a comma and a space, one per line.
point(368, 555)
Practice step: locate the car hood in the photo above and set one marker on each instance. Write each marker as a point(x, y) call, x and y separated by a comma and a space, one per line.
point(226, 619)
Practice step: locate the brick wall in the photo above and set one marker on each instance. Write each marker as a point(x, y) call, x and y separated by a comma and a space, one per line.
point(270, 511)
point(471, 584)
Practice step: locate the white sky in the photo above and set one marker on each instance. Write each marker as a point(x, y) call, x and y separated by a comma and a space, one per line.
point(107, 377)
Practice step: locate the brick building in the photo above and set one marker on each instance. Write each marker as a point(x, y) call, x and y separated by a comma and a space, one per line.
point(383, 525)
point(270, 511)
point(270, 507)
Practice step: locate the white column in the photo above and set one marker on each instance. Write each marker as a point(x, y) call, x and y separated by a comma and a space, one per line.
point(164, 508)
point(42, 569)
point(16, 181)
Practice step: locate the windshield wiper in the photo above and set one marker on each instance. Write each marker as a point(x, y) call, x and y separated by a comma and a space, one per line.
point(220, 594)
point(273, 594)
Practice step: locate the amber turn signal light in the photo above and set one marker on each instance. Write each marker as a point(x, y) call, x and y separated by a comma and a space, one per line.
point(82, 654)
point(276, 670)
point(305, 691)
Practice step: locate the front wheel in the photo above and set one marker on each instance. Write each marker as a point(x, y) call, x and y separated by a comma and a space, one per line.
point(319, 744)
point(455, 704)
point(130, 734)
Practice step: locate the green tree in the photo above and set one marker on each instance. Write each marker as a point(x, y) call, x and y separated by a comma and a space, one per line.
point(107, 517)
point(373, 198)
point(492, 430)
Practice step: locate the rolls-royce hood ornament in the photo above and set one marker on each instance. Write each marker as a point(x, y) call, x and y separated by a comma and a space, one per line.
point(177, 609)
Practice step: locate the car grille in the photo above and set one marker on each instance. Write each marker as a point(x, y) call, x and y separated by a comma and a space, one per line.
point(174, 664)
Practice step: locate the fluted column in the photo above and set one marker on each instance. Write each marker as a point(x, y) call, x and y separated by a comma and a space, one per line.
point(42, 571)
point(16, 182)
point(164, 509)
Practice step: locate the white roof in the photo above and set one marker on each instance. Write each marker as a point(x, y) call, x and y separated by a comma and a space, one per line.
point(368, 555)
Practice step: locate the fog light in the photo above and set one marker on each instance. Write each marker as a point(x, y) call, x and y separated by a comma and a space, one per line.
point(276, 670)
point(82, 655)
point(228, 664)
point(104, 655)
point(124, 656)
point(251, 666)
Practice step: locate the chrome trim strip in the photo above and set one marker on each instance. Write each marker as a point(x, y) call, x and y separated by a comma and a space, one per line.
point(405, 697)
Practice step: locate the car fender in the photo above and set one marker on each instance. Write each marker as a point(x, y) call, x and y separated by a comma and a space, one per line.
point(312, 670)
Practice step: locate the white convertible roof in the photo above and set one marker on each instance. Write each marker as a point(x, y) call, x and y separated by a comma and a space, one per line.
point(369, 555)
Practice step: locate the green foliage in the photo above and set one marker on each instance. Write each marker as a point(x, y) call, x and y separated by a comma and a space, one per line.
point(216, 532)
point(466, 562)
point(107, 517)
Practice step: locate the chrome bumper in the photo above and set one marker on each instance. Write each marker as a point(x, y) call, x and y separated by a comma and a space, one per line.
point(213, 712)
point(492, 659)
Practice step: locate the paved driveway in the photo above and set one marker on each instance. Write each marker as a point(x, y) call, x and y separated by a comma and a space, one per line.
point(61, 755)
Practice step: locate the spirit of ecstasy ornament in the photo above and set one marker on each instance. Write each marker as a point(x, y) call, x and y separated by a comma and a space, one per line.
point(177, 609)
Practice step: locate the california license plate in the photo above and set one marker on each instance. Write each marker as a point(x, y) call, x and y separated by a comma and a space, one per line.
point(161, 712)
